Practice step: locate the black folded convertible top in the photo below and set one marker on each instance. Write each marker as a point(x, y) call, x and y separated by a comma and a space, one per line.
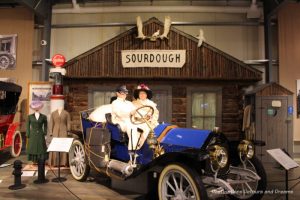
point(10, 87)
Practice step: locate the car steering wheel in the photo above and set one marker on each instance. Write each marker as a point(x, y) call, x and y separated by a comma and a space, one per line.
point(139, 117)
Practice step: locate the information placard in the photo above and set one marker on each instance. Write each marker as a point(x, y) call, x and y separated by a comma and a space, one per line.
point(60, 144)
point(283, 159)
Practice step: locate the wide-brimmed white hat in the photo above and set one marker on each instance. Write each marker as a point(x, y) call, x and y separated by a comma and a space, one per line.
point(36, 105)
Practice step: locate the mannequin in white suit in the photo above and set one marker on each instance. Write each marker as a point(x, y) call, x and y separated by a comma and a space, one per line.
point(121, 109)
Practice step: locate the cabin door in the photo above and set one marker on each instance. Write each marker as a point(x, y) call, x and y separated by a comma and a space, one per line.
point(274, 126)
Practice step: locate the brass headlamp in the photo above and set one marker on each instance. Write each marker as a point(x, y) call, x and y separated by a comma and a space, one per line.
point(246, 149)
point(218, 156)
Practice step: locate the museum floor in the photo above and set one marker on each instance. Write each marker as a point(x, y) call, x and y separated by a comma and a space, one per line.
point(97, 187)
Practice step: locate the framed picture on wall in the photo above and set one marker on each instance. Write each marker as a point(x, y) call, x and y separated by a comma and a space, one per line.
point(298, 98)
point(8, 52)
point(41, 91)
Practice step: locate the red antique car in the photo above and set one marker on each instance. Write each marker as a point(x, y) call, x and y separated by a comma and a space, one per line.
point(10, 136)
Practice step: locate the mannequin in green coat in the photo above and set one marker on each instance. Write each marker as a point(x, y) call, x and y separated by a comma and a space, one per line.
point(36, 130)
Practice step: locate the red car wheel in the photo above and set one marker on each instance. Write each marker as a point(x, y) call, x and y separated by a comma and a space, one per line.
point(16, 147)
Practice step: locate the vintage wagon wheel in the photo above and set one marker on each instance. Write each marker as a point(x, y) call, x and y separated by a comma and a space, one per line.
point(77, 160)
point(177, 181)
point(253, 190)
point(4, 61)
point(16, 146)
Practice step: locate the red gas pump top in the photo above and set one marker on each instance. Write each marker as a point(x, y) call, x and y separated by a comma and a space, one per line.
point(58, 60)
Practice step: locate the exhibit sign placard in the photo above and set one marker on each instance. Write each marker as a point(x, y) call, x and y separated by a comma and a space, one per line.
point(60, 145)
point(153, 58)
point(283, 159)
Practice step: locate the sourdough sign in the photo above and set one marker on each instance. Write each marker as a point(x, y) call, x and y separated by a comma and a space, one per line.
point(153, 58)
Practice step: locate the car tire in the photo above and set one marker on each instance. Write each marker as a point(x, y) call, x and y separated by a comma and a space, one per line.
point(16, 145)
point(187, 177)
point(12, 60)
point(4, 61)
point(262, 183)
point(78, 161)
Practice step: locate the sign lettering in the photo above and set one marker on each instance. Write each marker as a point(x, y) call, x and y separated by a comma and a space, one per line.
point(153, 58)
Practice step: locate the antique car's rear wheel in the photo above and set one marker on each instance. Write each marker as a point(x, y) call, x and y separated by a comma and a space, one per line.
point(180, 182)
point(77, 160)
point(4, 61)
point(16, 146)
point(253, 190)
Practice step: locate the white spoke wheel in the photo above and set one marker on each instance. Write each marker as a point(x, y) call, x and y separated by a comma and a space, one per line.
point(4, 61)
point(16, 145)
point(179, 182)
point(251, 190)
point(78, 161)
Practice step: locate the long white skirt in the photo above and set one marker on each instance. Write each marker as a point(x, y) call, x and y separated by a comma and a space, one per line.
point(136, 138)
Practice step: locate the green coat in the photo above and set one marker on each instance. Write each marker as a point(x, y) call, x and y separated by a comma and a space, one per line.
point(36, 131)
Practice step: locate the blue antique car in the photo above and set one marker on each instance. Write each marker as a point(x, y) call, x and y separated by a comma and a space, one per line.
point(180, 163)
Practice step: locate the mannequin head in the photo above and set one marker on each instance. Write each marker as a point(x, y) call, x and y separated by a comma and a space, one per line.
point(121, 95)
point(142, 95)
point(122, 92)
point(142, 92)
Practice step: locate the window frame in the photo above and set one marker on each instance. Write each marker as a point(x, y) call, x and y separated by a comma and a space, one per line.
point(98, 88)
point(169, 99)
point(217, 90)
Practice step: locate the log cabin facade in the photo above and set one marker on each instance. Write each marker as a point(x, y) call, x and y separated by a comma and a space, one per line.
point(206, 92)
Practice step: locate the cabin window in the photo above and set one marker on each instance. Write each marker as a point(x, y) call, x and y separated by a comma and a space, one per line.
point(204, 108)
point(100, 98)
point(162, 96)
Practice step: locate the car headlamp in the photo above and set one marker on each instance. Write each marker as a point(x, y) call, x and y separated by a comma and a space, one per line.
point(246, 149)
point(218, 156)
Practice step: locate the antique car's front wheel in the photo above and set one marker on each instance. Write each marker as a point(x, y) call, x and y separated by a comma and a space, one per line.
point(16, 146)
point(177, 181)
point(78, 161)
point(4, 61)
point(253, 190)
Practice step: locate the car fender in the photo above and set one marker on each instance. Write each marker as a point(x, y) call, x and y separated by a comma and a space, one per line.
point(193, 157)
point(10, 133)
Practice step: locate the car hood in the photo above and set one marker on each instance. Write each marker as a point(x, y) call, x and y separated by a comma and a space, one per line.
point(184, 137)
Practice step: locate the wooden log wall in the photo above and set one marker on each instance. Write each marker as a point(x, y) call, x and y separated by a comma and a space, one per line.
point(232, 111)
point(232, 105)
point(179, 106)
point(76, 101)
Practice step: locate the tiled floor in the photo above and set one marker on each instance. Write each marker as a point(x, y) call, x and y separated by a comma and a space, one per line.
point(98, 186)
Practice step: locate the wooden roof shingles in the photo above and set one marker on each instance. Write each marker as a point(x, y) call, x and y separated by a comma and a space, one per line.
point(204, 63)
point(270, 89)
